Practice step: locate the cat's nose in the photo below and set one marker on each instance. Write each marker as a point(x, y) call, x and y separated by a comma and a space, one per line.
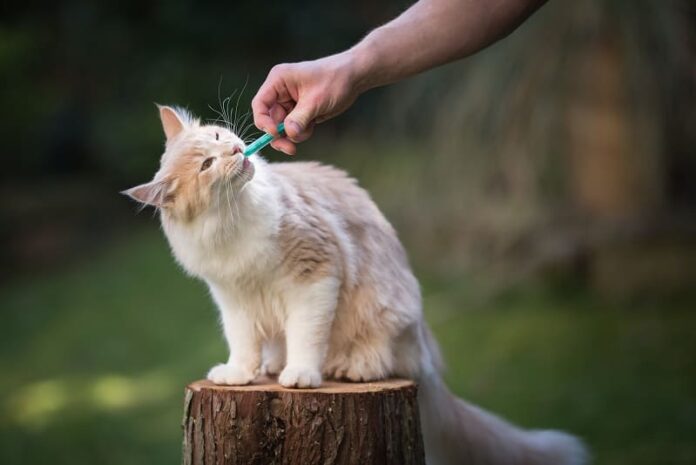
point(236, 150)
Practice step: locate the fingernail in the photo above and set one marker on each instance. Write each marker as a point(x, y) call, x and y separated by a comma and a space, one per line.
point(296, 128)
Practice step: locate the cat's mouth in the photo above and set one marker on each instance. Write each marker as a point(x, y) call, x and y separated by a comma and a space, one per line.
point(240, 170)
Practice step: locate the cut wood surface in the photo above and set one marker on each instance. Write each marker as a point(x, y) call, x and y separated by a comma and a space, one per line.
point(337, 424)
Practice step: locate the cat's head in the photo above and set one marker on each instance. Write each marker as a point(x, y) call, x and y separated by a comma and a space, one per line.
point(202, 165)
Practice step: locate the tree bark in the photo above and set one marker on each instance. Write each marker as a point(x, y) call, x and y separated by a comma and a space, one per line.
point(338, 424)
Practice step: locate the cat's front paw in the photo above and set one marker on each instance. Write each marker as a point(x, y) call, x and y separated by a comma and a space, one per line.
point(271, 367)
point(232, 375)
point(301, 377)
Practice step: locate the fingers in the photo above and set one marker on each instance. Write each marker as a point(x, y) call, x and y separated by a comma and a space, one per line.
point(268, 112)
point(299, 121)
point(280, 98)
point(262, 104)
point(289, 146)
point(278, 113)
point(303, 135)
point(285, 145)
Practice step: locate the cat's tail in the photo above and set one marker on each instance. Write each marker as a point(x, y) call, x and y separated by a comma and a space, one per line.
point(458, 433)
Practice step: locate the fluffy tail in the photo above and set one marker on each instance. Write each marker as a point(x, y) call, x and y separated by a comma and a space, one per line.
point(458, 433)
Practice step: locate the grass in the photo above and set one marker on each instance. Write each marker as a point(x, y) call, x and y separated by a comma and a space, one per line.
point(94, 359)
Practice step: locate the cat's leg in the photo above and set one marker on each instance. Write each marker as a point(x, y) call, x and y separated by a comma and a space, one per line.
point(273, 356)
point(368, 360)
point(244, 344)
point(310, 313)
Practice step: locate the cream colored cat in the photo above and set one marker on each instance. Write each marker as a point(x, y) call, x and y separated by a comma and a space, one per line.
point(311, 281)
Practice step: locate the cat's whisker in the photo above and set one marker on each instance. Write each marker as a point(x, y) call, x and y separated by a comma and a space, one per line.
point(236, 106)
point(247, 122)
point(247, 136)
point(228, 114)
point(224, 105)
point(244, 118)
point(224, 108)
point(219, 118)
point(252, 136)
point(231, 221)
point(246, 125)
point(239, 215)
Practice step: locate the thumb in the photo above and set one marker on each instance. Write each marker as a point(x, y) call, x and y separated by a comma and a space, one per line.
point(300, 119)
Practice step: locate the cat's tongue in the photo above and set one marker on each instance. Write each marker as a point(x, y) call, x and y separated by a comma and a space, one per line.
point(245, 163)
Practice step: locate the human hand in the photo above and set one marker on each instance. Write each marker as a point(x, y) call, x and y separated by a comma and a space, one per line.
point(303, 94)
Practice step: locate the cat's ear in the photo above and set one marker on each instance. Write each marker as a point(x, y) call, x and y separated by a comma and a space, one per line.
point(154, 193)
point(172, 122)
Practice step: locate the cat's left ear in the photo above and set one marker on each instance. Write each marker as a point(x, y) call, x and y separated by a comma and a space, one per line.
point(172, 122)
point(154, 193)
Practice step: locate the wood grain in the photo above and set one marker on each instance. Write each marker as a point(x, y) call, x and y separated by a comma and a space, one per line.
point(338, 424)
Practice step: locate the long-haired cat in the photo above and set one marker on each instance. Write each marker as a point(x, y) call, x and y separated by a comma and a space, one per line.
point(311, 280)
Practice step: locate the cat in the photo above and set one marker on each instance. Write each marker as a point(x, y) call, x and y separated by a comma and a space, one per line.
point(311, 281)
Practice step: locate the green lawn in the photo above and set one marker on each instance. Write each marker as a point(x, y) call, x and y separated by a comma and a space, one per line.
point(94, 360)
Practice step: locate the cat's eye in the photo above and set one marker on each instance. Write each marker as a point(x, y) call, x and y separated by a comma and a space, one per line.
point(206, 163)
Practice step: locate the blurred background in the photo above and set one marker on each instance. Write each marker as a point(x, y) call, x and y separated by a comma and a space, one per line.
point(544, 190)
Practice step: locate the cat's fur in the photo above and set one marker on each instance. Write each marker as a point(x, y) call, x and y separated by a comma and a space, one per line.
point(311, 280)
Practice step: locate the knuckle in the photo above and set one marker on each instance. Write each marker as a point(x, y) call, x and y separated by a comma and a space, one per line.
point(278, 69)
point(260, 121)
point(315, 101)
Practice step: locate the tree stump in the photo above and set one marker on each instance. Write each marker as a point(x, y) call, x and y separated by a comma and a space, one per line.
point(337, 424)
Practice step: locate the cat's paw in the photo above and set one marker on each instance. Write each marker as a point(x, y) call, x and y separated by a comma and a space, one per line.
point(359, 367)
point(356, 374)
point(301, 377)
point(232, 375)
point(271, 367)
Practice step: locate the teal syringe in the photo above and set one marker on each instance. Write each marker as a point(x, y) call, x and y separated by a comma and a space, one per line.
point(262, 141)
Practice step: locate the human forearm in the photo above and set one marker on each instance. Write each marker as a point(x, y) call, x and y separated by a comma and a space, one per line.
point(431, 33)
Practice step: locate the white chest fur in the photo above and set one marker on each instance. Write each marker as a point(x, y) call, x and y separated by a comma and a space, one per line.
point(231, 241)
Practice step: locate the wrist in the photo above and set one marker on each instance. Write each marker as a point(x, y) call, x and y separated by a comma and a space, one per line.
point(361, 64)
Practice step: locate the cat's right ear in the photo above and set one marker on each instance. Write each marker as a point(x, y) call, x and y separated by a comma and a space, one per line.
point(153, 193)
point(172, 123)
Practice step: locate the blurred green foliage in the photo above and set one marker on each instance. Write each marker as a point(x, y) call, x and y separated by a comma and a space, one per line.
point(81, 77)
point(94, 361)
